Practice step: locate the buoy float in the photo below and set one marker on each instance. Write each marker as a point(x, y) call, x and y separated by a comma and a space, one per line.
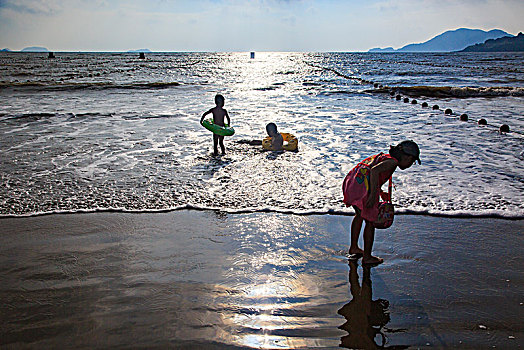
point(483, 121)
point(436, 107)
point(291, 145)
point(398, 97)
point(464, 117)
point(392, 93)
point(448, 111)
point(375, 85)
point(504, 128)
point(424, 104)
point(406, 100)
point(413, 102)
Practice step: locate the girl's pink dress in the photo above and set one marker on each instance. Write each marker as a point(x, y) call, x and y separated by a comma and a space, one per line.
point(356, 185)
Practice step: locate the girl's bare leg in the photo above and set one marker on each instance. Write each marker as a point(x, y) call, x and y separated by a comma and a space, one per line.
point(369, 238)
point(356, 226)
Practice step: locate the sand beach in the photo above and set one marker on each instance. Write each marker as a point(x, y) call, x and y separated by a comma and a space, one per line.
point(208, 279)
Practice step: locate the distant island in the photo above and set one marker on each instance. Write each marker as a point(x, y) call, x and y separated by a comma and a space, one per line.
point(139, 50)
point(449, 41)
point(34, 49)
point(5, 50)
point(378, 49)
point(505, 44)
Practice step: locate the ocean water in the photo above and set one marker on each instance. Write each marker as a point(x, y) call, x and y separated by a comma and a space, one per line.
point(104, 131)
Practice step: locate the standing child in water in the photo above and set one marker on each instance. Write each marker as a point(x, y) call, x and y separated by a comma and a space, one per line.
point(218, 118)
point(361, 189)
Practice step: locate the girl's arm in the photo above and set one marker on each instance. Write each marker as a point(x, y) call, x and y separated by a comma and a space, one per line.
point(387, 166)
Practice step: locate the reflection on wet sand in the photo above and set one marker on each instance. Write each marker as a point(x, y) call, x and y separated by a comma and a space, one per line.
point(365, 318)
point(277, 302)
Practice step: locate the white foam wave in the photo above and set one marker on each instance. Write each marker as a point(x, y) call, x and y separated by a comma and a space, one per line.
point(499, 214)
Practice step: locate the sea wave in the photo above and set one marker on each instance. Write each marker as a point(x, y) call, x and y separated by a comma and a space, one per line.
point(87, 85)
point(37, 116)
point(25, 117)
point(457, 92)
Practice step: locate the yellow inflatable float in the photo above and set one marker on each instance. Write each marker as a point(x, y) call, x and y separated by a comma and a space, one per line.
point(290, 142)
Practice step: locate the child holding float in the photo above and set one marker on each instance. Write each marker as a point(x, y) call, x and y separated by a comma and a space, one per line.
point(218, 126)
point(361, 190)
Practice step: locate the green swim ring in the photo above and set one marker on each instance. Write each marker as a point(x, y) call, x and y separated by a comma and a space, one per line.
point(217, 129)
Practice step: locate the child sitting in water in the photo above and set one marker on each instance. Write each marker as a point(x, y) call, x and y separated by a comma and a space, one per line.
point(276, 138)
point(361, 189)
point(218, 118)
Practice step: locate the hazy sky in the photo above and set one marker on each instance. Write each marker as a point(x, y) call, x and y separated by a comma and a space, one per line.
point(236, 25)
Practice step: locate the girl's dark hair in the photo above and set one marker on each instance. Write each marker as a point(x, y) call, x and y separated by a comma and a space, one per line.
point(396, 152)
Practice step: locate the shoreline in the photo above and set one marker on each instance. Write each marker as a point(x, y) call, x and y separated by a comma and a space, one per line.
point(258, 280)
point(398, 212)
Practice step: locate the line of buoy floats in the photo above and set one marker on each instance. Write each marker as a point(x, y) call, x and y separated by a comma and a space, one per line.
point(393, 92)
point(504, 128)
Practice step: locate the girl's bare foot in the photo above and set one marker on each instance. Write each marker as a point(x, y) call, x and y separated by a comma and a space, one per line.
point(356, 250)
point(373, 260)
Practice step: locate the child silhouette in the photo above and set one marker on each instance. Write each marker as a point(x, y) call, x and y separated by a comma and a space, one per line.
point(361, 190)
point(276, 138)
point(218, 118)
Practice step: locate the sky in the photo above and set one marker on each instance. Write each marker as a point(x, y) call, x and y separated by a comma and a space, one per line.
point(249, 25)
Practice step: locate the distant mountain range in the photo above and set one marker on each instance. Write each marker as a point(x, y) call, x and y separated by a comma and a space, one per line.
point(452, 40)
point(505, 44)
point(35, 49)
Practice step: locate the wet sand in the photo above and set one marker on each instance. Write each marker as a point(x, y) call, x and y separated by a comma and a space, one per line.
point(202, 279)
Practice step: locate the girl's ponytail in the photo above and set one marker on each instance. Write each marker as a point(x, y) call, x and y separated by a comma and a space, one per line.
point(396, 152)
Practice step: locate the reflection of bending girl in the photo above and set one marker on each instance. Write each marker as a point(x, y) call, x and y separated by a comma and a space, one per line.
point(365, 317)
